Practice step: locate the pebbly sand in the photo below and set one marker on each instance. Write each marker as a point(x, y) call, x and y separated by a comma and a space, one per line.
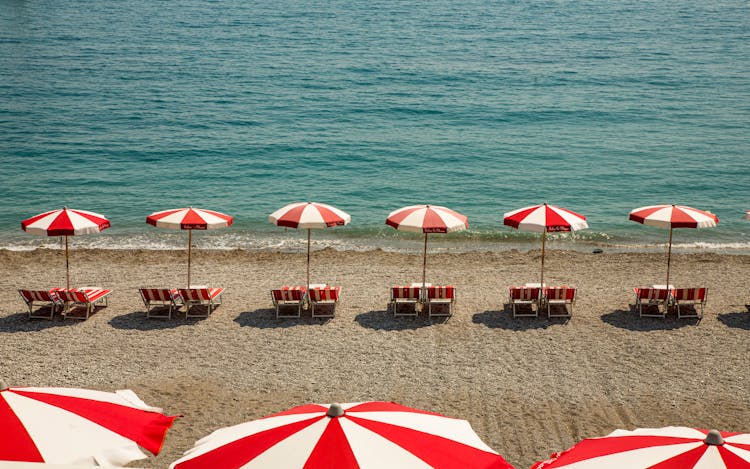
point(528, 386)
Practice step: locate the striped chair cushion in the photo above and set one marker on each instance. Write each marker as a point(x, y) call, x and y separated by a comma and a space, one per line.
point(160, 294)
point(325, 294)
point(690, 294)
point(88, 295)
point(560, 293)
point(38, 295)
point(445, 292)
point(410, 293)
point(200, 294)
point(648, 293)
point(289, 293)
point(524, 293)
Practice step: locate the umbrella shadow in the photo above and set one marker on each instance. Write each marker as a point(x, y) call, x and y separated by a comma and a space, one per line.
point(504, 320)
point(384, 320)
point(139, 322)
point(20, 322)
point(739, 319)
point(629, 319)
point(265, 318)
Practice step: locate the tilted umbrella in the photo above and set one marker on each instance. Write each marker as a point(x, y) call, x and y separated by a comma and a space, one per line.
point(78, 426)
point(65, 222)
point(309, 215)
point(662, 448)
point(189, 219)
point(369, 434)
point(543, 219)
point(427, 219)
point(673, 216)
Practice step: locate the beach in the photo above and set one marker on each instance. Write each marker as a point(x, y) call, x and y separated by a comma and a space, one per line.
point(528, 386)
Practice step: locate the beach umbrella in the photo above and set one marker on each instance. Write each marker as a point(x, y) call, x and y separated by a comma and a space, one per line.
point(673, 216)
point(78, 426)
point(427, 219)
point(189, 219)
point(662, 448)
point(309, 215)
point(65, 222)
point(369, 434)
point(543, 219)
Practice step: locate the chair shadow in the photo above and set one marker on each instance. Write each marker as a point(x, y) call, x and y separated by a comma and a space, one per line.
point(139, 322)
point(629, 319)
point(20, 322)
point(739, 319)
point(503, 319)
point(384, 320)
point(265, 318)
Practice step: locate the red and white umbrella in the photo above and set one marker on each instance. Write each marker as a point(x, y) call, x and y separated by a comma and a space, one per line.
point(309, 215)
point(662, 448)
point(189, 219)
point(65, 222)
point(673, 216)
point(427, 219)
point(543, 219)
point(357, 435)
point(78, 426)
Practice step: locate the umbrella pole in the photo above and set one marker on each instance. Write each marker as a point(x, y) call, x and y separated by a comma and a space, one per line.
point(190, 242)
point(669, 255)
point(67, 265)
point(308, 259)
point(424, 263)
point(541, 280)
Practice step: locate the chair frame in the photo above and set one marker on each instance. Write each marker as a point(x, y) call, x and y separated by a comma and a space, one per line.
point(211, 303)
point(440, 301)
point(71, 300)
point(313, 302)
point(409, 295)
point(174, 302)
point(53, 302)
point(690, 302)
point(652, 299)
point(278, 303)
point(525, 300)
point(564, 301)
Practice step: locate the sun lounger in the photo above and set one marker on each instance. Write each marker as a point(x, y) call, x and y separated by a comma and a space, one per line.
point(201, 296)
point(324, 296)
point(559, 296)
point(652, 297)
point(159, 299)
point(288, 296)
point(444, 295)
point(692, 297)
point(405, 296)
point(86, 297)
point(41, 298)
point(530, 296)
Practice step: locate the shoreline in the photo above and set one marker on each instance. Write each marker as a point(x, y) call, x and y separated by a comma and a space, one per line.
point(528, 386)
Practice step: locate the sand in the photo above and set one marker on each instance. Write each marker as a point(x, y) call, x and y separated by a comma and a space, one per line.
point(528, 386)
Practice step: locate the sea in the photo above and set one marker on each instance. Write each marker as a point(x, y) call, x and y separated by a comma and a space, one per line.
point(129, 107)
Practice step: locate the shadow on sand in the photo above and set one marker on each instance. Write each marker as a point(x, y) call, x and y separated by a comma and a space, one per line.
point(628, 319)
point(739, 319)
point(383, 320)
point(504, 320)
point(20, 322)
point(139, 322)
point(266, 319)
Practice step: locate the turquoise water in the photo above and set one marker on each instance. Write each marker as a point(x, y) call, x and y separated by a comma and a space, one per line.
point(125, 108)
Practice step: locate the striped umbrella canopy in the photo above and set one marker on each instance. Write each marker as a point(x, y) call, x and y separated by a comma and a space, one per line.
point(673, 216)
point(309, 215)
point(543, 219)
point(65, 222)
point(662, 448)
point(190, 219)
point(370, 434)
point(78, 426)
point(427, 219)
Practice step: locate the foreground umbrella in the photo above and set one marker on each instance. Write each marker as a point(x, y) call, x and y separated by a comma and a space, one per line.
point(309, 215)
point(77, 426)
point(65, 222)
point(543, 219)
point(370, 434)
point(427, 219)
point(663, 448)
point(673, 216)
point(189, 219)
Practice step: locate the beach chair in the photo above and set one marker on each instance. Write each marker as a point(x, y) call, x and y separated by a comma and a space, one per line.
point(324, 296)
point(524, 296)
point(159, 299)
point(86, 297)
point(201, 296)
point(288, 296)
point(444, 295)
point(560, 296)
point(652, 297)
point(405, 296)
point(42, 298)
point(690, 297)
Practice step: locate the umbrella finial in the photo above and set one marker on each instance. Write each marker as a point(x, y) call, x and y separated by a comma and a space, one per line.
point(335, 410)
point(714, 438)
point(3, 385)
